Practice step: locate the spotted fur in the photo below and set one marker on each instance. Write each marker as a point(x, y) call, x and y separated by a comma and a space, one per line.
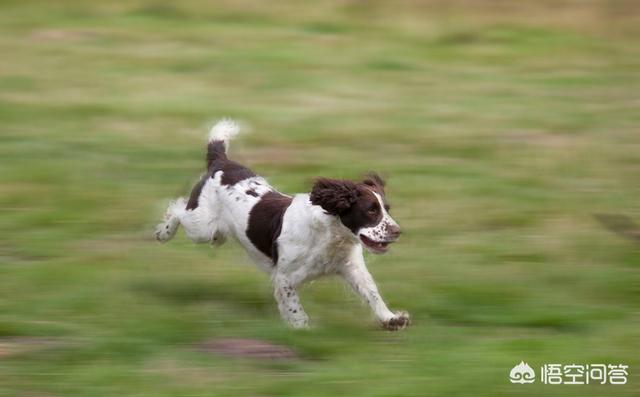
point(293, 238)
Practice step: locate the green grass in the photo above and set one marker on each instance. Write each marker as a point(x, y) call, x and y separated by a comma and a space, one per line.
point(502, 130)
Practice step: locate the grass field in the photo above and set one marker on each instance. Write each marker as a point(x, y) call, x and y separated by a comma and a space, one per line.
point(502, 128)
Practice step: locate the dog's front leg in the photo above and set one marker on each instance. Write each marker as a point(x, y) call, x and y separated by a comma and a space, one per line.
point(357, 275)
point(288, 302)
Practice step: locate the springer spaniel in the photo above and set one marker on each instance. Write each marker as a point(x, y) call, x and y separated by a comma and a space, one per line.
point(294, 238)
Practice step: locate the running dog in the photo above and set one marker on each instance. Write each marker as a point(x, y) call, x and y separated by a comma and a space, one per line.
point(293, 238)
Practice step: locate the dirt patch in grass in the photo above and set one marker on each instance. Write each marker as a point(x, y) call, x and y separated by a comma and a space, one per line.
point(15, 346)
point(62, 35)
point(248, 348)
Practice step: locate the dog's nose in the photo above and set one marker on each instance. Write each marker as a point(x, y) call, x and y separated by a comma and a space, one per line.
point(394, 231)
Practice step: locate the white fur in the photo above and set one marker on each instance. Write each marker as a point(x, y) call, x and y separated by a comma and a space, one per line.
point(168, 228)
point(311, 244)
point(224, 130)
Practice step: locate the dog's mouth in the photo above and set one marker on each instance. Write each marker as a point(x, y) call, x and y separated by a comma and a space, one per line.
point(377, 247)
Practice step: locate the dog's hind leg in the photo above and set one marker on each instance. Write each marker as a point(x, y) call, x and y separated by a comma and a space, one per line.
point(199, 225)
point(168, 228)
point(200, 218)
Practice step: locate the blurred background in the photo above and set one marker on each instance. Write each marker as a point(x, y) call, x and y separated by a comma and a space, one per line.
point(508, 131)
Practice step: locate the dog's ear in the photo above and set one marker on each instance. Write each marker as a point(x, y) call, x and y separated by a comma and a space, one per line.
point(334, 196)
point(374, 181)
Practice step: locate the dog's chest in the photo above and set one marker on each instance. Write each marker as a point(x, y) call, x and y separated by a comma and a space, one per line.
point(329, 253)
point(312, 243)
point(320, 252)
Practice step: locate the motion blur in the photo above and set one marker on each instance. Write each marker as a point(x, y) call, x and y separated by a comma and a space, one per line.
point(508, 132)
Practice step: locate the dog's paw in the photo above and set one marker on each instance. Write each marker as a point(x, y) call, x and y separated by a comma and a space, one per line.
point(399, 321)
point(218, 238)
point(165, 231)
point(299, 323)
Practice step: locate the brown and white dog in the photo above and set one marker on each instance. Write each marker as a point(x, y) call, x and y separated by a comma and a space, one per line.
point(293, 238)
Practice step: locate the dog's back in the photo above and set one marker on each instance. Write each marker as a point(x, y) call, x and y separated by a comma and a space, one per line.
point(229, 199)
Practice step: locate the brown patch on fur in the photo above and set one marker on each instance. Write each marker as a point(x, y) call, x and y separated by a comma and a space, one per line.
point(374, 181)
point(217, 160)
point(252, 192)
point(334, 196)
point(354, 203)
point(232, 172)
point(265, 223)
point(365, 212)
point(195, 193)
point(215, 150)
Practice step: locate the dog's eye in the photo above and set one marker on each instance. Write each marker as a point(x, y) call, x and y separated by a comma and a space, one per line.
point(373, 209)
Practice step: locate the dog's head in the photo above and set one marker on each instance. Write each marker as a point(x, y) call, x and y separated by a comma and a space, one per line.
point(361, 207)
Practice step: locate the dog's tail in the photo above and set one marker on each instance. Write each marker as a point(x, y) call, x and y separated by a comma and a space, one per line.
point(219, 136)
